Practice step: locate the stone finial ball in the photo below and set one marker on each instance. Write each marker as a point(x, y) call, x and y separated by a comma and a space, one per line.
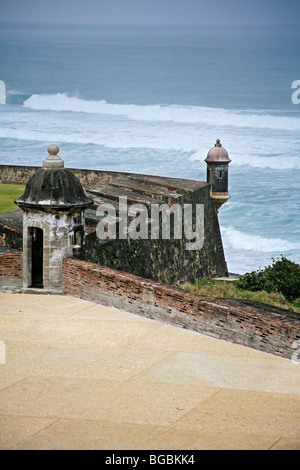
point(53, 149)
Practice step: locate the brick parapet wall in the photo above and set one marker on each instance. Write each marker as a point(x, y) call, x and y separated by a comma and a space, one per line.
point(10, 270)
point(262, 328)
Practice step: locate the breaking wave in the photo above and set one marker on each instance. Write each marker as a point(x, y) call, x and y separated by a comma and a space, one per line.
point(178, 132)
point(244, 241)
point(165, 113)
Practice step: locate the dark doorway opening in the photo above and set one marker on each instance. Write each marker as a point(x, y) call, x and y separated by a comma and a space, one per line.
point(37, 257)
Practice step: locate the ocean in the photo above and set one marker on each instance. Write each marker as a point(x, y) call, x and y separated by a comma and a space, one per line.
point(154, 100)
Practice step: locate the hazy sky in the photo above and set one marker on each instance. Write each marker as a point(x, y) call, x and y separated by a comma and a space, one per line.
point(152, 11)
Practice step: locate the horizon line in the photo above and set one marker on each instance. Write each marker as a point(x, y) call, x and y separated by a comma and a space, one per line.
point(204, 24)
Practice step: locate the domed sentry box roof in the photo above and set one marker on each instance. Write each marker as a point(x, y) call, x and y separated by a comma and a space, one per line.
point(217, 154)
point(53, 187)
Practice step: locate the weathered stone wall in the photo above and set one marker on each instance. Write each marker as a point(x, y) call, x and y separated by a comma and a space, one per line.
point(165, 260)
point(257, 326)
point(16, 174)
point(10, 237)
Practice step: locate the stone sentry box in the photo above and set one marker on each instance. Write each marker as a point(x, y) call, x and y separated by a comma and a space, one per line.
point(217, 161)
point(53, 206)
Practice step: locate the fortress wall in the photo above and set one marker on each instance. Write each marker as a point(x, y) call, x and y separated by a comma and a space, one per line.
point(16, 174)
point(10, 270)
point(163, 260)
point(10, 237)
point(20, 174)
point(166, 260)
point(260, 327)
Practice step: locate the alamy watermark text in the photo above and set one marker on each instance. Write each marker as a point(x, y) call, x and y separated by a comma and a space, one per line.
point(138, 221)
point(296, 93)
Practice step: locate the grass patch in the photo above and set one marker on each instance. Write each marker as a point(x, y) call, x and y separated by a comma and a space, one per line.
point(277, 285)
point(230, 290)
point(9, 192)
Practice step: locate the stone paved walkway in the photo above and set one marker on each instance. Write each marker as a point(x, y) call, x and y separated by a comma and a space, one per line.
point(77, 375)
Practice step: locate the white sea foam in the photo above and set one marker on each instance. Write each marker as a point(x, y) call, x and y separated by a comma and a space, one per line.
point(249, 242)
point(252, 147)
point(168, 113)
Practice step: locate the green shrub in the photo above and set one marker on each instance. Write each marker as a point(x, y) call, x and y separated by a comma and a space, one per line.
point(282, 276)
